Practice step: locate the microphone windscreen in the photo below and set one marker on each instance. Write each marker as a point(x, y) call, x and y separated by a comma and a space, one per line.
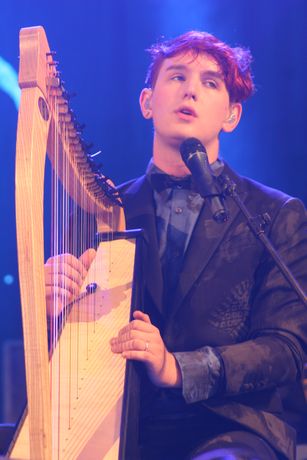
point(190, 146)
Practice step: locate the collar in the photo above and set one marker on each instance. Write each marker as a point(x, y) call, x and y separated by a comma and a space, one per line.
point(159, 180)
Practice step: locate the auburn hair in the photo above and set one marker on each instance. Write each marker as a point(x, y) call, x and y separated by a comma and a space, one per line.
point(233, 62)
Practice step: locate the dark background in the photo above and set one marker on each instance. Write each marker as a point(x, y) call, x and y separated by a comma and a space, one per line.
point(100, 46)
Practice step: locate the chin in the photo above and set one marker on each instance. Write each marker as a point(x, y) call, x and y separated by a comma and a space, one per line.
point(179, 138)
point(175, 142)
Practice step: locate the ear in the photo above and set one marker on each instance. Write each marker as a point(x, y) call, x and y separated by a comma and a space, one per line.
point(145, 102)
point(233, 118)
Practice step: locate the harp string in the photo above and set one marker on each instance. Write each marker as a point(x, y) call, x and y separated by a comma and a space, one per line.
point(71, 227)
point(68, 429)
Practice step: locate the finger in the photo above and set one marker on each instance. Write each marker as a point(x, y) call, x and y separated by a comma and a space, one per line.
point(65, 258)
point(63, 262)
point(130, 345)
point(53, 270)
point(141, 316)
point(56, 300)
point(133, 334)
point(87, 258)
point(137, 325)
point(54, 280)
point(53, 293)
point(137, 355)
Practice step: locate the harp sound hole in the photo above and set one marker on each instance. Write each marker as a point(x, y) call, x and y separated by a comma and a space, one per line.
point(43, 109)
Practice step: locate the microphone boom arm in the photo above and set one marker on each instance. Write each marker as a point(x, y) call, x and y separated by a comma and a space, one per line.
point(257, 225)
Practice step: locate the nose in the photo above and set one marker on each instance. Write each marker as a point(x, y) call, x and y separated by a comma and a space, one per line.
point(190, 95)
point(191, 89)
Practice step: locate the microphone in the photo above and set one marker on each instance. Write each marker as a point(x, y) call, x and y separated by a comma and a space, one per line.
point(195, 157)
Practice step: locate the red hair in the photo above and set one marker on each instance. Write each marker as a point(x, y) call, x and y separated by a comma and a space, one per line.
point(233, 62)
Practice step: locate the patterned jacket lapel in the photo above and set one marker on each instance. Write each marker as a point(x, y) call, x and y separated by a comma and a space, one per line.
point(206, 238)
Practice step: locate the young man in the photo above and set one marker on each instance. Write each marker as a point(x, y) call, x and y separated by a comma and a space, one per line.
point(222, 329)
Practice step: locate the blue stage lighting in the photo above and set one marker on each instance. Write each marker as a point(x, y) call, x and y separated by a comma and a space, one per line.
point(8, 279)
point(9, 81)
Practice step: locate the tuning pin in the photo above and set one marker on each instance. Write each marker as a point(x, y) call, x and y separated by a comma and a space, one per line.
point(79, 127)
point(53, 63)
point(67, 95)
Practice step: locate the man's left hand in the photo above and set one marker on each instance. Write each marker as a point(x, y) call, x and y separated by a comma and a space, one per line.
point(141, 340)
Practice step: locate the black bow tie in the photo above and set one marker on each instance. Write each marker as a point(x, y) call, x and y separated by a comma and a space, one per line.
point(161, 182)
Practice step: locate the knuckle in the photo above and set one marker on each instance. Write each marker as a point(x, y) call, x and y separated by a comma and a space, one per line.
point(122, 331)
point(67, 256)
point(132, 334)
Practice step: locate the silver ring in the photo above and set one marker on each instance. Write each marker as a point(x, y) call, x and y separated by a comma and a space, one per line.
point(146, 346)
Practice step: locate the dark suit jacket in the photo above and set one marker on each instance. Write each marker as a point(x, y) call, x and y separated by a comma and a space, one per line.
point(232, 297)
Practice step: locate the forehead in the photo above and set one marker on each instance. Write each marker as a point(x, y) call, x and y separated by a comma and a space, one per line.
point(190, 60)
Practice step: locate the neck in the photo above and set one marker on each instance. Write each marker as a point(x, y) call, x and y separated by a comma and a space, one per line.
point(168, 158)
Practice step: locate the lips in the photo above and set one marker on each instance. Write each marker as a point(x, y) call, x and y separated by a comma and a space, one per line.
point(186, 111)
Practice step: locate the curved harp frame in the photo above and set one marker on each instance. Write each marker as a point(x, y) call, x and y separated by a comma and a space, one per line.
point(39, 83)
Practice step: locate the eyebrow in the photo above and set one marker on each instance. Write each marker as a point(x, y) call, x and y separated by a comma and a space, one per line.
point(205, 73)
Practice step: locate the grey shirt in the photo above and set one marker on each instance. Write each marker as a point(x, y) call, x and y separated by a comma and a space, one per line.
point(177, 210)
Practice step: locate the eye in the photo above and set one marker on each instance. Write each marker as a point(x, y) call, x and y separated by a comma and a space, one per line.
point(210, 84)
point(178, 77)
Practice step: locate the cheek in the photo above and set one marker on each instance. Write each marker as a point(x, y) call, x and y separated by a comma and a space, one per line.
point(217, 104)
point(157, 115)
point(160, 101)
point(160, 109)
point(217, 115)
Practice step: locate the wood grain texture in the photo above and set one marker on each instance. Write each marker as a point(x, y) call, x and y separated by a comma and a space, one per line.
point(75, 399)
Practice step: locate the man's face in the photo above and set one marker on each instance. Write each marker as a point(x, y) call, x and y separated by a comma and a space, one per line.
point(189, 99)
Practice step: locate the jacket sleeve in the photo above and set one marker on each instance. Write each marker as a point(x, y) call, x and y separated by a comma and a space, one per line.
point(275, 352)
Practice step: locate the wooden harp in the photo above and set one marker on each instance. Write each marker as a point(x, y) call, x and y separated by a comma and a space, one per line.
point(77, 406)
